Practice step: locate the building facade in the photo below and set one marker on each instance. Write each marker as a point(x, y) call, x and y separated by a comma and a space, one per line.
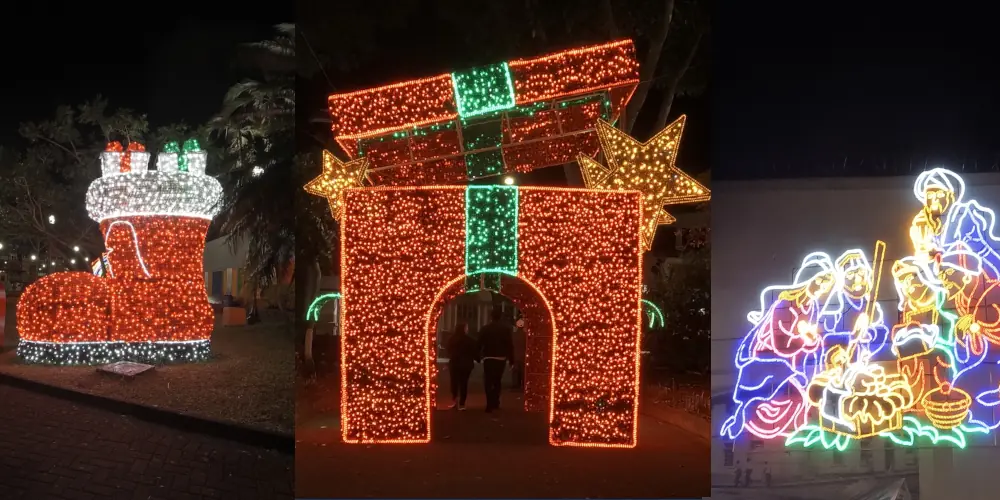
point(761, 230)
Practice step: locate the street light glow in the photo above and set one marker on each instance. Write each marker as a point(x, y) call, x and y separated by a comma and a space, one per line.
point(76, 248)
point(34, 257)
point(52, 219)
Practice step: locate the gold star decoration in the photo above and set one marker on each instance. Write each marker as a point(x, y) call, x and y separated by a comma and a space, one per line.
point(648, 167)
point(336, 177)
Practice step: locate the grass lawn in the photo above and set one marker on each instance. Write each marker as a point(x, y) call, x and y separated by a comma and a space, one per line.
point(249, 379)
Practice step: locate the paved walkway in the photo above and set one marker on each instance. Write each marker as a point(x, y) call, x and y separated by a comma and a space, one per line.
point(475, 454)
point(54, 449)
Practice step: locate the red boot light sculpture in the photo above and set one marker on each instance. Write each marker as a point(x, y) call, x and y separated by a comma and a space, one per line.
point(147, 300)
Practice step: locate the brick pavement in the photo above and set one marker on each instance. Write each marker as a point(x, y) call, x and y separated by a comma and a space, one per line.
point(54, 449)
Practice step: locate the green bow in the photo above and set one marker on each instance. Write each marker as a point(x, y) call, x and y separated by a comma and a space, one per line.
point(190, 146)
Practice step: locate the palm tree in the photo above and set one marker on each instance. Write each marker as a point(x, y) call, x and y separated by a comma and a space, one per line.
point(256, 126)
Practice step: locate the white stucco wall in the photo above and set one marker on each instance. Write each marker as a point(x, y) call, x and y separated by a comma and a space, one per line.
point(219, 256)
point(761, 230)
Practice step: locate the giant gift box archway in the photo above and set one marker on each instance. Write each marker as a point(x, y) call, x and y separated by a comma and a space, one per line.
point(823, 364)
point(569, 258)
point(146, 300)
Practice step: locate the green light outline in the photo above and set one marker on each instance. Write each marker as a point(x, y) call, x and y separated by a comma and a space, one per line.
point(511, 271)
point(312, 313)
point(808, 435)
point(655, 313)
point(489, 109)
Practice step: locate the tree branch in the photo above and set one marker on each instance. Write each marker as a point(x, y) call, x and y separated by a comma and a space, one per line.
point(609, 19)
point(64, 148)
point(648, 68)
point(671, 91)
point(537, 27)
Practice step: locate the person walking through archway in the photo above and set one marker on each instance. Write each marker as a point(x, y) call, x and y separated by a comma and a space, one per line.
point(462, 357)
point(496, 347)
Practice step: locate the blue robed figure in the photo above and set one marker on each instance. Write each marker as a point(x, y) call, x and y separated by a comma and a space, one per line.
point(965, 244)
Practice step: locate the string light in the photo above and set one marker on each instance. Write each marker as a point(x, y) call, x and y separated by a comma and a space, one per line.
point(807, 376)
point(570, 259)
point(337, 176)
point(512, 116)
point(312, 313)
point(404, 248)
point(648, 167)
point(483, 90)
point(145, 299)
point(793, 358)
point(654, 313)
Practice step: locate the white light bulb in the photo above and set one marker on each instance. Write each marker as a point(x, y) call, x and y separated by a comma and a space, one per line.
point(153, 192)
point(508, 180)
point(76, 248)
point(33, 257)
point(52, 219)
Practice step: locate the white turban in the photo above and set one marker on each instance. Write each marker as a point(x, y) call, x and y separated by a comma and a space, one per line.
point(941, 179)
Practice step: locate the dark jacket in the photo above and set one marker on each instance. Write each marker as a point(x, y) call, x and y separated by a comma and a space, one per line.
point(496, 341)
point(462, 350)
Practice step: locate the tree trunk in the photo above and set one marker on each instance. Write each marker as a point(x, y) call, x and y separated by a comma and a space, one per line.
point(310, 364)
point(537, 27)
point(648, 69)
point(671, 92)
point(609, 18)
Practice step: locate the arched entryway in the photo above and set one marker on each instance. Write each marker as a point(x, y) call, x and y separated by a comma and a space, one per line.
point(470, 299)
point(406, 249)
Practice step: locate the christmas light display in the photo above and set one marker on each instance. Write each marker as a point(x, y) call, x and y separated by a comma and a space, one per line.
point(145, 299)
point(312, 313)
point(337, 176)
point(512, 116)
point(819, 367)
point(569, 259)
point(648, 167)
point(654, 313)
point(126, 188)
point(404, 248)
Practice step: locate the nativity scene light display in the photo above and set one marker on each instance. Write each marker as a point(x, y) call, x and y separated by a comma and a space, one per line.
point(823, 364)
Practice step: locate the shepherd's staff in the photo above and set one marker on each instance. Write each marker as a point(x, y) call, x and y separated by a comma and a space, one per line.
point(878, 258)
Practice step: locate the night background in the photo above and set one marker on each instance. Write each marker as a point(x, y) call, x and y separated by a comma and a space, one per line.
point(886, 85)
point(173, 63)
point(214, 72)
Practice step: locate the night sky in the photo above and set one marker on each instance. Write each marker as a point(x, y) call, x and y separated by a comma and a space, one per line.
point(799, 86)
point(173, 63)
